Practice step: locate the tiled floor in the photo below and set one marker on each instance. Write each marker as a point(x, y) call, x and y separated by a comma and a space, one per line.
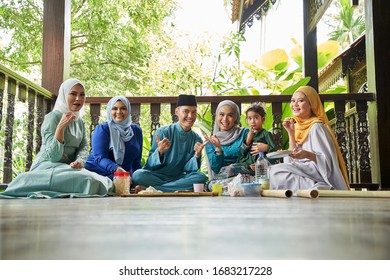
point(195, 228)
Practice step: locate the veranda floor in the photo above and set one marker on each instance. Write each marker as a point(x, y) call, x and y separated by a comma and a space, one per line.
point(197, 228)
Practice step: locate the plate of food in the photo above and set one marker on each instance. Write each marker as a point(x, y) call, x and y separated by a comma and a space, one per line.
point(279, 154)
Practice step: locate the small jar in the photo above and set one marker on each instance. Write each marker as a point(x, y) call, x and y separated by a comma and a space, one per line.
point(122, 182)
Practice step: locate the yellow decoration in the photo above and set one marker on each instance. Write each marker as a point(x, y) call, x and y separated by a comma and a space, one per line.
point(330, 48)
point(276, 59)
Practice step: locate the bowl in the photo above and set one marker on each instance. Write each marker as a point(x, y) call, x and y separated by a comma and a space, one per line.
point(250, 189)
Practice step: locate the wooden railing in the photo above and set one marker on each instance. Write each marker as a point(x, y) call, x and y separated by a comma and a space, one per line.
point(350, 124)
point(38, 101)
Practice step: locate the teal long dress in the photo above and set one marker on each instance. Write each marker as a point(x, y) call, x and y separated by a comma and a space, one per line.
point(177, 168)
point(51, 175)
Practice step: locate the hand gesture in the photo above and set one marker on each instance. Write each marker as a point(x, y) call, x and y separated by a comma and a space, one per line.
point(162, 145)
point(288, 124)
point(258, 147)
point(66, 119)
point(250, 136)
point(303, 154)
point(76, 164)
point(213, 139)
point(198, 148)
point(120, 169)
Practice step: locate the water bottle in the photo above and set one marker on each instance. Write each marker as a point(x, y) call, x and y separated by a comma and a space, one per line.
point(261, 171)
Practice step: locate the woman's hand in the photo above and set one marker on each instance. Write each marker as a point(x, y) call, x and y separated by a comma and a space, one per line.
point(288, 124)
point(76, 164)
point(214, 140)
point(65, 120)
point(120, 169)
point(303, 154)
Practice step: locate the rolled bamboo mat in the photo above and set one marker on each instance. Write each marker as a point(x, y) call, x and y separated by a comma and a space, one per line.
point(277, 193)
point(173, 194)
point(308, 193)
point(367, 194)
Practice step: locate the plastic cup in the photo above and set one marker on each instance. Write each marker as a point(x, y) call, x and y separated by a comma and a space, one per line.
point(264, 184)
point(217, 188)
point(198, 187)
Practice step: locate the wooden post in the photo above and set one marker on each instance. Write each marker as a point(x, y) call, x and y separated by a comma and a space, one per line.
point(378, 81)
point(310, 63)
point(56, 44)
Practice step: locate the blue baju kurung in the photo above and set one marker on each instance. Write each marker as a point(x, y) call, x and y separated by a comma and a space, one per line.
point(230, 153)
point(102, 161)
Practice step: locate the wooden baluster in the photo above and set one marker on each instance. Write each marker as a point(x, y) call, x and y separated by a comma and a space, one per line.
point(40, 116)
point(341, 132)
point(94, 112)
point(135, 113)
point(22, 92)
point(240, 108)
point(155, 111)
point(364, 145)
point(349, 121)
point(175, 118)
point(22, 97)
point(2, 87)
point(214, 107)
point(9, 124)
point(277, 124)
point(353, 148)
point(30, 128)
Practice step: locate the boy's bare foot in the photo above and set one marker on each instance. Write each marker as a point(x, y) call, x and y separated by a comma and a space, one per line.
point(139, 188)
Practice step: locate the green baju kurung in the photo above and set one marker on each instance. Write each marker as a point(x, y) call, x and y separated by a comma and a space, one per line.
point(51, 174)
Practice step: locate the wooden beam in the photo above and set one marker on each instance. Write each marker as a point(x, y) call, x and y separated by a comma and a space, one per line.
point(237, 99)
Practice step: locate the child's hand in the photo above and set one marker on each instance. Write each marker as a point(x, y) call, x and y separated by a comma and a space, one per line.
point(258, 147)
point(250, 136)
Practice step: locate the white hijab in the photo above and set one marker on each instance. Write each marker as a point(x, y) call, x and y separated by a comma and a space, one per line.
point(120, 132)
point(62, 98)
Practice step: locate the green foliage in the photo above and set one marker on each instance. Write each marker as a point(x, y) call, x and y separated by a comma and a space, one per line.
point(145, 149)
point(21, 22)
point(111, 41)
point(346, 23)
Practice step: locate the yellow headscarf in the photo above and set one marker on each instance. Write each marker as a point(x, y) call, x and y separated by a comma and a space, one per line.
point(302, 128)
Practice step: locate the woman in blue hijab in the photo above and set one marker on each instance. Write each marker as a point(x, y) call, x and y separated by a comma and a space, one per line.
point(117, 143)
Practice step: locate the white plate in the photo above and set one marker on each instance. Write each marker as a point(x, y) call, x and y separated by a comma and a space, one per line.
point(279, 154)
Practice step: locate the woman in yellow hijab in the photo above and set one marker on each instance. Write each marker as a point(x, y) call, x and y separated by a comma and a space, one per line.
point(316, 161)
